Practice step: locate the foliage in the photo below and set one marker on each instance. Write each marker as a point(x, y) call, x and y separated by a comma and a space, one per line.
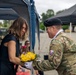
point(65, 27)
point(43, 17)
point(0, 24)
point(6, 23)
point(42, 26)
point(49, 13)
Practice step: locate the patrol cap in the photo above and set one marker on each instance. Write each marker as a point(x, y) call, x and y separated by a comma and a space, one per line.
point(52, 21)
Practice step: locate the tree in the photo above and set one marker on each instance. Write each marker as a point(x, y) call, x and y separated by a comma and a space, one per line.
point(1, 24)
point(42, 26)
point(49, 13)
point(7, 23)
point(43, 17)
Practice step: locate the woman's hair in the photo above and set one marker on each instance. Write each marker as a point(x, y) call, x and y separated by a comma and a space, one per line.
point(16, 27)
point(26, 42)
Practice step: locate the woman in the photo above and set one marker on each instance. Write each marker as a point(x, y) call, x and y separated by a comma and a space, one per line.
point(10, 49)
point(27, 44)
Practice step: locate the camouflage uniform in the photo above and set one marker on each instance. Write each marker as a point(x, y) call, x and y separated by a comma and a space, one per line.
point(62, 56)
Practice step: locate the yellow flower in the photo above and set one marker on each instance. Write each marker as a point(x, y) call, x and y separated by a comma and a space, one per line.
point(29, 56)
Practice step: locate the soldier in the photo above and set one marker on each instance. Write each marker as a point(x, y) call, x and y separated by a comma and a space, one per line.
point(62, 51)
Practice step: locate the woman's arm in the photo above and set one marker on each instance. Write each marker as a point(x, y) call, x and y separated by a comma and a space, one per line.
point(12, 53)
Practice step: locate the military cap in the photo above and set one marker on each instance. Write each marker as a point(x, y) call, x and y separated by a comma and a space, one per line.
point(52, 21)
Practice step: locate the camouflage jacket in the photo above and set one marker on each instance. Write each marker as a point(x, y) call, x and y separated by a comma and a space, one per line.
point(61, 57)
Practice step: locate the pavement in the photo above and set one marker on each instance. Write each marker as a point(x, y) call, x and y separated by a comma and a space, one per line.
point(44, 48)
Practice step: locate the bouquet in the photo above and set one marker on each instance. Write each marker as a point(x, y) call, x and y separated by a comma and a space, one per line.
point(29, 56)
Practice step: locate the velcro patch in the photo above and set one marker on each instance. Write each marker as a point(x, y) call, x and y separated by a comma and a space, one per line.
point(51, 52)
